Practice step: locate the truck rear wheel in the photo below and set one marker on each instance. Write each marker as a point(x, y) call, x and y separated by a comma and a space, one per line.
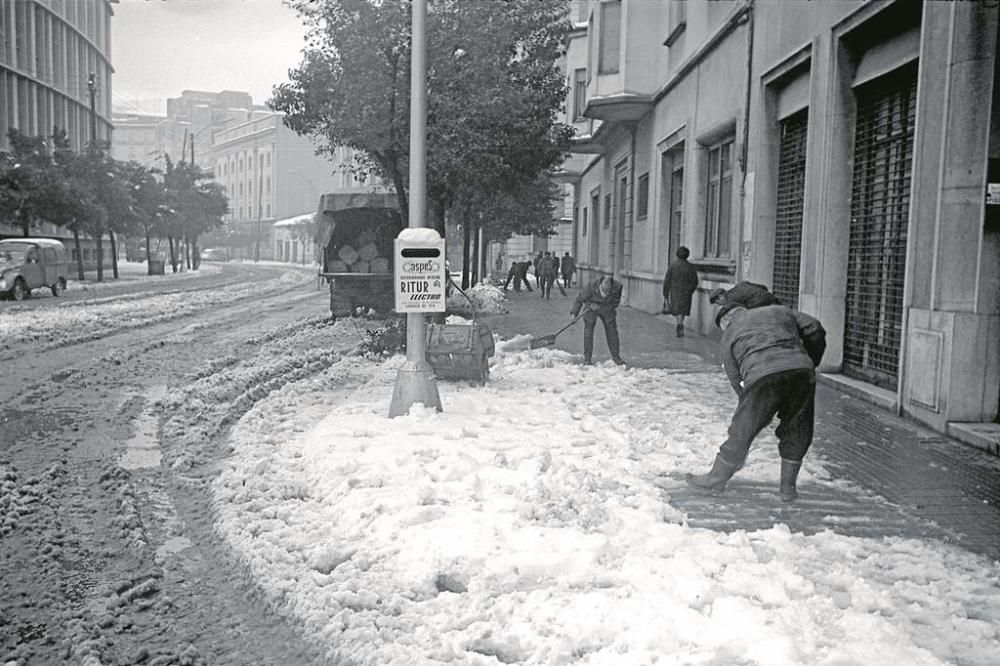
point(59, 287)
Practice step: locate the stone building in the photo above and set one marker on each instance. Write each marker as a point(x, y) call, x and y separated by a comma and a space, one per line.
point(838, 152)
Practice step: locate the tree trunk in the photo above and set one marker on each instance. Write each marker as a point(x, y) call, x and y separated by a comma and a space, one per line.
point(79, 255)
point(483, 246)
point(466, 247)
point(114, 254)
point(149, 270)
point(475, 255)
point(437, 221)
point(195, 254)
point(100, 256)
point(187, 253)
point(173, 254)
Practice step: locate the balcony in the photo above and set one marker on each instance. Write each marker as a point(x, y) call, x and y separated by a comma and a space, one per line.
point(585, 142)
point(619, 107)
point(625, 52)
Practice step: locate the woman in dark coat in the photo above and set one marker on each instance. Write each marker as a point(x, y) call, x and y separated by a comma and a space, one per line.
point(679, 285)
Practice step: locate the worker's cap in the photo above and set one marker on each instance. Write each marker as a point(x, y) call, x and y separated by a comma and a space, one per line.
point(717, 295)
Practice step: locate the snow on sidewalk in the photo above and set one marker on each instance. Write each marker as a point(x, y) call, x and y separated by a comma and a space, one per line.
point(521, 525)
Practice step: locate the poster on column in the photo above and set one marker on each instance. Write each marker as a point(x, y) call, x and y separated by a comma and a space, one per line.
point(420, 271)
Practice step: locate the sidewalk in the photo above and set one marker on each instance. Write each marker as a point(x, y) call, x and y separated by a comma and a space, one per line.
point(936, 486)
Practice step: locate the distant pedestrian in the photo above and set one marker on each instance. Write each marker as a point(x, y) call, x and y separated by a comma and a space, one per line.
point(679, 285)
point(538, 277)
point(770, 354)
point(548, 270)
point(567, 267)
point(518, 273)
point(600, 300)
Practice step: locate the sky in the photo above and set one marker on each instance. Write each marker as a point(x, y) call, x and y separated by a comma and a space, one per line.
point(161, 47)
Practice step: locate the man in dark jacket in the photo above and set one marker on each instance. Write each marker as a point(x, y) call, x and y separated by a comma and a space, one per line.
point(772, 371)
point(567, 267)
point(600, 298)
point(548, 271)
point(518, 273)
point(748, 294)
point(679, 285)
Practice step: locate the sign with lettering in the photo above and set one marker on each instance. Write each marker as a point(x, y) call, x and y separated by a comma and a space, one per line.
point(420, 271)
point(993, 194)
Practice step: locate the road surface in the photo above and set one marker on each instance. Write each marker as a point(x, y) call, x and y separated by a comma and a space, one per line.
point(107, 553)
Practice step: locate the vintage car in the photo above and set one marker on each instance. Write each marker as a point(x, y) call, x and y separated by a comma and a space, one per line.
point(215, 254)
point(31, 263)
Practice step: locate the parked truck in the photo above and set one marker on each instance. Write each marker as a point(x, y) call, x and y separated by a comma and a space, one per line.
point(354, 234)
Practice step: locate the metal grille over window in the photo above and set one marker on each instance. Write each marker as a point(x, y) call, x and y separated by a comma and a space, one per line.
point(788, 216)
point(880, 202)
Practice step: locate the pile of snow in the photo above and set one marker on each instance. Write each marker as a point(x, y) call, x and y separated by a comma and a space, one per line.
point(522, 525)
point(134, 273)
point(73, 321)
point(485, 299)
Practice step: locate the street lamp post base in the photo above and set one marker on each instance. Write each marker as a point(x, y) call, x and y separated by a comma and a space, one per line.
point(415, 382)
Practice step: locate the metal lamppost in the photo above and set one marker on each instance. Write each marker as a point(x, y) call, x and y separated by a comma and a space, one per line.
point(415, 379)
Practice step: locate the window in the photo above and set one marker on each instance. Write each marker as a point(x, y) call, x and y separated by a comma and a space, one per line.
point(595, 207)
point(676, 21)
point(673, 173)
point(583, 225)
point(607, 211)
point(609, 53)
point(718, 208)
point(579, 93)
point(642, 205)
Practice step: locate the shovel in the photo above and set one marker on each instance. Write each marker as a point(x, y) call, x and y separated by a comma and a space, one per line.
point(547, 340)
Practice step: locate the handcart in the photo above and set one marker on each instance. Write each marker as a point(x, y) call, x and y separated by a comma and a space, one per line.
point(461, 351)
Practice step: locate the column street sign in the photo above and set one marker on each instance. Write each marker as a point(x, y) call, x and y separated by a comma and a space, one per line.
point(420, 271)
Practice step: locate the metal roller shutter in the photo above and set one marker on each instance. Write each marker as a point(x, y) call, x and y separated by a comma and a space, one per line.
point(788, 216)
point(880, 202)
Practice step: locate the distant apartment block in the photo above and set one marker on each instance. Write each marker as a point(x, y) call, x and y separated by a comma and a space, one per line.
point(48, 51)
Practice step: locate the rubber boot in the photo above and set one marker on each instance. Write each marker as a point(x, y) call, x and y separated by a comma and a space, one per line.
point(789, 474)
point(716, 479)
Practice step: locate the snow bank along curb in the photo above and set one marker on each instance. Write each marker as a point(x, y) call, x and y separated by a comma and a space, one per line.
point(521, 525)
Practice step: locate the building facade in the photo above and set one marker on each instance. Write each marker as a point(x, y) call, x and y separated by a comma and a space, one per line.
point(49, 50)
point(837, 152)
point(270, 174)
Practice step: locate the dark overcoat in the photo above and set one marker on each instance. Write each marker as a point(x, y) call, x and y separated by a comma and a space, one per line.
point(679, 285)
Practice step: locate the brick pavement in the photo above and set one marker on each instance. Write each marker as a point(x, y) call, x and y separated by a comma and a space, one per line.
point(932, 486)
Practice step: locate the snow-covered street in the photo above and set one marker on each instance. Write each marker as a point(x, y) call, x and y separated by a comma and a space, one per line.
point(225, 487)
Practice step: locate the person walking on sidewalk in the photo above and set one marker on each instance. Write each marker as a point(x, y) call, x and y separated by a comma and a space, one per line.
point(538, 276)
point(770, 354)
point(567, 267)
point(549, 268)
point(679, 285)
point(600, 299)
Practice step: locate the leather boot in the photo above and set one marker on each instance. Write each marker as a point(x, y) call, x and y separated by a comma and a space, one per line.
point(680, 330)
point(789, 473)
point(716, 479)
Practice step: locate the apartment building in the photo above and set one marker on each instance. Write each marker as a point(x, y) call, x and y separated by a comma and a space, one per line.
point(839, 152)
point(270, 174)
point(48, 51)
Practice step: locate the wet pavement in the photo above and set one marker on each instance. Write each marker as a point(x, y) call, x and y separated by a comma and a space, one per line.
point(930, 485)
